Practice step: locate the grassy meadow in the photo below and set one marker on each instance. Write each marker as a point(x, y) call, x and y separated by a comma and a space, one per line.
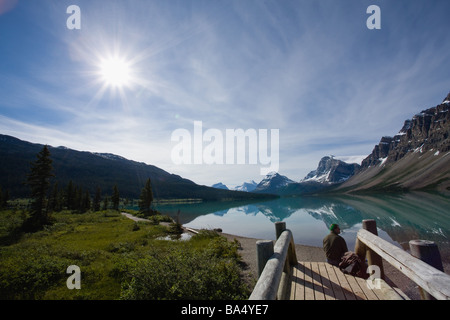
point(118, 259)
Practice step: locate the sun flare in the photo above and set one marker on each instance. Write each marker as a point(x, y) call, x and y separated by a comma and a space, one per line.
point(115, 72)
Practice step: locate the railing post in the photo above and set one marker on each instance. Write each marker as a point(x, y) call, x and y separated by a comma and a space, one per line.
point(264, 250)
point(279, 228)
point(372, 257)
point(428, 252)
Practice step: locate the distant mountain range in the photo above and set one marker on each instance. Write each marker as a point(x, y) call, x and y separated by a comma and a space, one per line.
point(91, 170)
point(417, 158)
point(247, 186)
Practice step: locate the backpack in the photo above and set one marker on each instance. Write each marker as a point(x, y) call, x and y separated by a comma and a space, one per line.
point(352, 264)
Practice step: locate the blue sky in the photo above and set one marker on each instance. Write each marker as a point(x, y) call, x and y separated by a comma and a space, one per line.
point(309, 68)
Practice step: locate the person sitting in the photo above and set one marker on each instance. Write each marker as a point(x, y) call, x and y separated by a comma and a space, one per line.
point(334, 245)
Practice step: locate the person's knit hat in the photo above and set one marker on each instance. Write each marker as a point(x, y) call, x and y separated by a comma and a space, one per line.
point(333, 225)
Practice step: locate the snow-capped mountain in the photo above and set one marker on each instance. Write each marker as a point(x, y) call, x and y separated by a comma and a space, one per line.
point(247, 186)
point(415, 158)
point(331, 170)
point(272, 182)
point(220, 185)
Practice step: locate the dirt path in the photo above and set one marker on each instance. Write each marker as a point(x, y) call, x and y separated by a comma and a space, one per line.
point(134, 218)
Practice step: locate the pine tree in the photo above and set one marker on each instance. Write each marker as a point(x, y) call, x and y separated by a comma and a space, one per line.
point(86, 202)
point(105, 204)
point(146, 199)
point(78, 199)
point(115, 198)
point(70, 196)
point(6, 198)
point(53, 200)
point(39, 182)
point(97, 200)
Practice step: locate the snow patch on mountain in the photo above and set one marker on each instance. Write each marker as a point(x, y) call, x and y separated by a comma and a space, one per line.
point(247, 186)
point(272, 182)
point(109, 156)
point(331, 170)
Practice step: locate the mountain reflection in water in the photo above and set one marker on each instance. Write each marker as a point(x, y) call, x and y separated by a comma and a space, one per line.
point(400, 218)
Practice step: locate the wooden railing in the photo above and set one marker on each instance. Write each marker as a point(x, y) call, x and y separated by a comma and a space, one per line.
point(275, 265)
point(429, 278)
point(424, 267)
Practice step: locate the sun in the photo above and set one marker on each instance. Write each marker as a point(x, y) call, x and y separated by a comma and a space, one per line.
point(115, 72)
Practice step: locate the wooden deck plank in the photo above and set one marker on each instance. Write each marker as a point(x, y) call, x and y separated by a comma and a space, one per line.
point(358, 292)
point(346, 288)
point(337, 289)
point(309, 287)
point(317, 281)
point(326, 283)
point(298, 285)
point(294, 283)
point(320, 280)
point(370, 294)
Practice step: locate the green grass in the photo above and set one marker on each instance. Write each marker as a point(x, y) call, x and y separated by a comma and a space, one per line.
point(117, 260)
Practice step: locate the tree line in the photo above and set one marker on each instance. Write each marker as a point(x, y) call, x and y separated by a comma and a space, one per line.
point(75, 198)
point(71, 197)
point(4, 197)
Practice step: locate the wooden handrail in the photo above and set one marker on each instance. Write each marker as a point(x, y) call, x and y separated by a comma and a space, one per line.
point(271, 284)
point(434, 281)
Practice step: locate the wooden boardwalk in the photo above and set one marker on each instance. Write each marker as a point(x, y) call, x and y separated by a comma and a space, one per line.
point(283, 277)
point(322, 281)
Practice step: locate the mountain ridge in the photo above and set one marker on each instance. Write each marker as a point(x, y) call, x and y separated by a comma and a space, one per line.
point(91, 170)
point(417, 158)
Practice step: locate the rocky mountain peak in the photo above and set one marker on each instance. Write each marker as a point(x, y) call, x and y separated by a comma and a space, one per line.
point(427, 130)
point(272, 182)
point(220, 185)
point(446, 99)
point(331, 170)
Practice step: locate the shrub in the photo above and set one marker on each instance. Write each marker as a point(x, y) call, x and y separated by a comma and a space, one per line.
point(185, 273)
point(28, 276)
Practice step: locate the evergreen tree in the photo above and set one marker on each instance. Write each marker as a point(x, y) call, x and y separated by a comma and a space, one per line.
point(70, 196)
point(6, 198)
point(146, 199)
point(97, 200)
point(115, 198)
point(86, 202)
point(39, 182)
point(105, 203)
point(53, 200)
point(77, 202)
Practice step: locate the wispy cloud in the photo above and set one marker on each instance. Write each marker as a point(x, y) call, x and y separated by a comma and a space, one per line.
point(308, 68)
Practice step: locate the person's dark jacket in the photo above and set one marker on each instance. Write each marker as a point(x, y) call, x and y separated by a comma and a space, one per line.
point(334, 246)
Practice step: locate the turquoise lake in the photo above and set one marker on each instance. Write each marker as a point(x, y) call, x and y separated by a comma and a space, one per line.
point(400, 218)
